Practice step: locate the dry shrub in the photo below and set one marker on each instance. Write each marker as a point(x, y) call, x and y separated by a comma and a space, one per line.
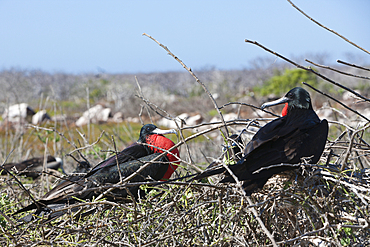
point(310, 205)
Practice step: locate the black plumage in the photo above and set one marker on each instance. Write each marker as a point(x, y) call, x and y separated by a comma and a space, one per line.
point(286, 140)
point(33, 167)
point(82, 167)
point(105, 173)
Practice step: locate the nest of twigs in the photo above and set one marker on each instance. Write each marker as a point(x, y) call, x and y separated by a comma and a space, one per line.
point(318, 205)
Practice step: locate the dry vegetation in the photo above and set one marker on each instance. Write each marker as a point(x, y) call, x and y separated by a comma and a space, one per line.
point(324, 204)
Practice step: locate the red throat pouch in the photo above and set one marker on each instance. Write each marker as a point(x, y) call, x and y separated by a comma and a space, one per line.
point(165, 143)
point(285, 110)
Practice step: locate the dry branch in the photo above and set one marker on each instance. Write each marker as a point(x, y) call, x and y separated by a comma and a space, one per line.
point(330, 30)
point(353, 65)
point(336, 70)
point(195, 77)
point(309, 69)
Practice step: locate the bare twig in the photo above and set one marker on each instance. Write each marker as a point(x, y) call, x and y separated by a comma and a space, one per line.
point(250, 105)
point(330, 30)
point(339, 102)
point(352, 65)
point(195, 77)
point(308, 69)
point(344, 163)
point(341, 72)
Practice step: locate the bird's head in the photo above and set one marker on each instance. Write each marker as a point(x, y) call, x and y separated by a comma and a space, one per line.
point(157, 143)
point(153, 136)
point(151, 129)
point(297, 98)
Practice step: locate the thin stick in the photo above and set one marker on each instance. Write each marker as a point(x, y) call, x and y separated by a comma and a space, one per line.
point(250, 105)
point(196, 78)
point(142, 94)
point(351, 145)
point(116, 155)
point(254, 211)
point(17, 180)
point(352, 65)
point(308, 69)
point(341, 72)
point(349, 108)
point(330, 30)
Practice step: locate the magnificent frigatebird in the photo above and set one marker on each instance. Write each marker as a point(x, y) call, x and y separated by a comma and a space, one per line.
point(33, 167)
point(297, 135)
point(149, 146)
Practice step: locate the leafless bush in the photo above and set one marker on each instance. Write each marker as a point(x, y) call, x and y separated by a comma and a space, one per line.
point(324, 204)
point(315, 203)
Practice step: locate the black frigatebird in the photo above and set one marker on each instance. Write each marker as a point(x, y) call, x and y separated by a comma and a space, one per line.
point(297, 135)
point(150, 145)
point(33, 167)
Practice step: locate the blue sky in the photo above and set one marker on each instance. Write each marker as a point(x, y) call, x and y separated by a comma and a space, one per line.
point(87, 36)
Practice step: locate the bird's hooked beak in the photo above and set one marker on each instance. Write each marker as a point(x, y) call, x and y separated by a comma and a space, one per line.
point(164, 132)
point(282, 100)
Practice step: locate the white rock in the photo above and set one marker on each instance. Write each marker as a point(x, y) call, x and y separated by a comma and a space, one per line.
point(59, 118)
point(230, 116)
point(103, 115)
point(96, 114)
point(169, 123)
point(118, 117)
point(183, 119)
point(348, 96)
point(260, 114)
point(215, 119)
point(194, 120)
point(133, 119)
point(183, 116)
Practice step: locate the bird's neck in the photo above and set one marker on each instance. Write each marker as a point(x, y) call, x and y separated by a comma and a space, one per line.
point(294, 109)
point(302, 116)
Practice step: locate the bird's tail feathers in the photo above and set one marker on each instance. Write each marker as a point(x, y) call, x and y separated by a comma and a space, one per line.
point(208, 173)
point(32, 206)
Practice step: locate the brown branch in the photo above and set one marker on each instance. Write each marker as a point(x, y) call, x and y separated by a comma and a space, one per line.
point(341, 72)
point(330, 30)
point(276, 54)
point(252, 209)
point(352, 65)
point(250, 105)
point(351, 145)
point(195, 77)
point(308, 69)
point(345, 106)
point(17, 180)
